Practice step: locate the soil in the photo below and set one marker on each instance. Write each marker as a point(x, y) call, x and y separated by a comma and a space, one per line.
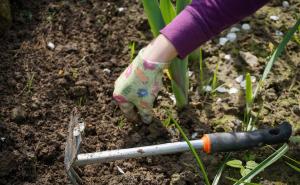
point(41, 85)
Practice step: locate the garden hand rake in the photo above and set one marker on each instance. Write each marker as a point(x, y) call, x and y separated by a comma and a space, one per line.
point(210, 143)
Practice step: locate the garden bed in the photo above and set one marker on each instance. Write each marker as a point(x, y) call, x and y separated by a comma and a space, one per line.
point(40, 86)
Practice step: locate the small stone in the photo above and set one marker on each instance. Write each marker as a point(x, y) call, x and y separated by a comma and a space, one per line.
point(250, 59)
point(233, 90)
point(221, 89)
point(219, 100)
point(285, 4)
point(234, 29)
point(253, 79)
point(274, 17)
point(120, 170)
point(231, 36)
point(172, 97)
point(278, 33)
point(207, 88)
point(50, 45)
point(18, 114)
point(121, 9)
point(246, 27)
point(106, 70)
point(222, 41)
point(194, 135)
point(243, 84)
point(296, 109)
point(239, 79)
point(190, 73)
point(227, 57)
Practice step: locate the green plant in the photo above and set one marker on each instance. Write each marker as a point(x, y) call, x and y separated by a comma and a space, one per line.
point(159, 14)
point(214, 82)
point(170, 120)
point(132, 51)
point(244, 169)
point(264, 164)
point(29, 82)
point(201, 75)
point(249, 101)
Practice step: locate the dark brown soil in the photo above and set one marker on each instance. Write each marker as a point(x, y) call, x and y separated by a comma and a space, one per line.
point(40, 87)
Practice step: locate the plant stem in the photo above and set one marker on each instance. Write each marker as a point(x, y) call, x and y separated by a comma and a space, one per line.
point(193, 150)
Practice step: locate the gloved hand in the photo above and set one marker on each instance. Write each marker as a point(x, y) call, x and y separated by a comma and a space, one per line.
point(138, 87)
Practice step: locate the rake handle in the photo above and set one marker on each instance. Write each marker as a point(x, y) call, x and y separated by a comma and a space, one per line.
point(227, 142)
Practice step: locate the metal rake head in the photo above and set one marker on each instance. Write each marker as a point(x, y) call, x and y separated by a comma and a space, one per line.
point(76, 127)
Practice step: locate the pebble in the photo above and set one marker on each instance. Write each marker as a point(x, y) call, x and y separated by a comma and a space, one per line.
point(234, 29)
point(120, 170)
point(227, 57)
point(221, 89)
point(106, 70)
point(121, 9)
point(239, 79)
point(172, 97)
point(18, 114)
point(231, 36)
point(285, 4)
point(243, 84)
point(50, 45)
point(190, 73)
point(274, 17)
point(249, 58)
point(253, 79)
point(246, 27)
point(223, 40)
point(207, 88)
point(233, 90)
point(194, 135)
point(219, 100)
point(278, 33)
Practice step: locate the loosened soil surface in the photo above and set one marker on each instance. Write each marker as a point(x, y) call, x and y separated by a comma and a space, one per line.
point(40, 87)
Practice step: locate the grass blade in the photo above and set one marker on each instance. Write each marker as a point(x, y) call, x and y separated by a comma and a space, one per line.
point(277, 53)
point(215, 78)
point(246, 183)
point(167, 10)
point(193, 150)
point(220, 170)
point(293, 167)
point(155, 19)
point(267, 162)
point(181, 4)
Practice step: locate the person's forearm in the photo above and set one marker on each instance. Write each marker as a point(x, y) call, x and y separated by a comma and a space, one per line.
point(204, 19)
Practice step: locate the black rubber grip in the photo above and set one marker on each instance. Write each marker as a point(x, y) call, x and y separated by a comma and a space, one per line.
point(226, 142)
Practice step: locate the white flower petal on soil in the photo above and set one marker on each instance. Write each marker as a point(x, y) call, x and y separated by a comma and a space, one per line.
point(221, 89)
point(231, 36)
point(120, 170)
point(246, 27)
point(274, 17)
point(106, 71)
point(278, 33)
point(121, 9)
point(285, 4)
point(194, 135)
point(235, 29)
point(172, 97)
point(222, 41)
point(227, 57)
point(207, 88)
point(50, 45)
point(233, 90)
point(239, 79)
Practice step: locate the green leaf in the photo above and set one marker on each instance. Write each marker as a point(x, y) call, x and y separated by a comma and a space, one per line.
point(245, 171)
point(249, 97)
point(181, 4)
point(235, 163)
point(267, 162)
point(167, 10)
point(246, 183)
point(294, 167)
point(251, 165)
point(155, 19)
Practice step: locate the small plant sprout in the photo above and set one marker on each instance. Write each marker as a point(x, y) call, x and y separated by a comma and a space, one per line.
point(132, 51)
point(201, 75)
point(249, 101)
point(29, 82)
point(214, 83)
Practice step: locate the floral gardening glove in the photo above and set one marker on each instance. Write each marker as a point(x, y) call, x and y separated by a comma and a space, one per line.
point(138, 86)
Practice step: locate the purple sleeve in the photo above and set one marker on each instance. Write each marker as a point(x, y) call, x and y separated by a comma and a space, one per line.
point(203, 19)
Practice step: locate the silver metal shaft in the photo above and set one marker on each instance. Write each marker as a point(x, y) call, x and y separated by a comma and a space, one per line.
point(112, 155)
